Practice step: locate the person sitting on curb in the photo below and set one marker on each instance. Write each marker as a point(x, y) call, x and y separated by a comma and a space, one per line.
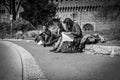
point(56, 31)
point(73, 31)
point(44, 36)
point(51, 34)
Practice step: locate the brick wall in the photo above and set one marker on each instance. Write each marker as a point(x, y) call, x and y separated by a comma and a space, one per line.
point(86, 11)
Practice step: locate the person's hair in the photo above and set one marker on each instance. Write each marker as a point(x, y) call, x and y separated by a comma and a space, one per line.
point(61, 27)
point(59, 24)
point(69, 23)
point(68, 20)
point(56, 20)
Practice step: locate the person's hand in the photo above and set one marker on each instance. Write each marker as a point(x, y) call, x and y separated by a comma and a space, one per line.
point(67, 32)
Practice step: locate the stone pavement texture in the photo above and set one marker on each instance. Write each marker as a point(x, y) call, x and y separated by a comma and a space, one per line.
point(103, 50)
point(23, 66)
point(59, 66)
point(10, 63)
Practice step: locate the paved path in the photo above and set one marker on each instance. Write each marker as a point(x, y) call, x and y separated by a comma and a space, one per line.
point(10, 63)
point(59, 66)
point(17, 63)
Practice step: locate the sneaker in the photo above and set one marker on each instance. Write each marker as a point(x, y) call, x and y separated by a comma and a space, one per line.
point(53, 50)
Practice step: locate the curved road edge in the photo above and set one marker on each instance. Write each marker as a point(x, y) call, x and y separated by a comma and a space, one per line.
point(10, 63)
point(31, 70)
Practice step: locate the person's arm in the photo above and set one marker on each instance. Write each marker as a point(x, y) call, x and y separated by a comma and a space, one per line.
point(76, 30)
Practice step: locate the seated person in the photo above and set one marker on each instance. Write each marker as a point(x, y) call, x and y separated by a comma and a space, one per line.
point(73, 31)
point(44, 36)
point(56, 30)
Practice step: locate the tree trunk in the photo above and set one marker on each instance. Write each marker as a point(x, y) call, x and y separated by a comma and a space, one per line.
point(14, 10)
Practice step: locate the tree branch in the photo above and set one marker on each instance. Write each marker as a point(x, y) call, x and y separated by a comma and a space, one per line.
point(18, 6)
point(8, 9)
point(7, 6)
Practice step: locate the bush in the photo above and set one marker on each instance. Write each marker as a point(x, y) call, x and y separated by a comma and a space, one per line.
point(4, 29)
point(31, 34)
point(23, 25)
point(19, 35)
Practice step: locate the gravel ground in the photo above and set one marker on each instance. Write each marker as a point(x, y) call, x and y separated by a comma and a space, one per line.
point(59, 66)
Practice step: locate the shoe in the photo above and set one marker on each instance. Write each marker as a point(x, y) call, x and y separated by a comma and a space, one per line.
point(44, 45)
point(81, 51)
point(53, 50)
point(56, 51)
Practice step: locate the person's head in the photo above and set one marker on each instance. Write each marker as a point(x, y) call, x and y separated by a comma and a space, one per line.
point(58, 23)
point(55, 20)
point(44, 27)
point(68, 22)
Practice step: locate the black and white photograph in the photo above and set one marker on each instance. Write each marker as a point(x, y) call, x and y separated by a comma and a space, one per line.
point(59, 39)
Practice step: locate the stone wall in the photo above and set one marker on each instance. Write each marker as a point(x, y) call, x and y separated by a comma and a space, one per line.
point(89, 17)
point(84, 11)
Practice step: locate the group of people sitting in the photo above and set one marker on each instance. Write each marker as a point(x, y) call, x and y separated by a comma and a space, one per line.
point(68, 38)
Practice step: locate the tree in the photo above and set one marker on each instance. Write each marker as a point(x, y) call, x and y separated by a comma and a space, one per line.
point(4, 29)
point(11, 6)
point(38, 12)
point(23, 25)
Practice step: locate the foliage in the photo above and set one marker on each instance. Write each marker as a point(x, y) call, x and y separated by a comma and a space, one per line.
point(22, 25)
point(11, 6)
point(31, 34)
point(4, 29)
point(38, 12)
